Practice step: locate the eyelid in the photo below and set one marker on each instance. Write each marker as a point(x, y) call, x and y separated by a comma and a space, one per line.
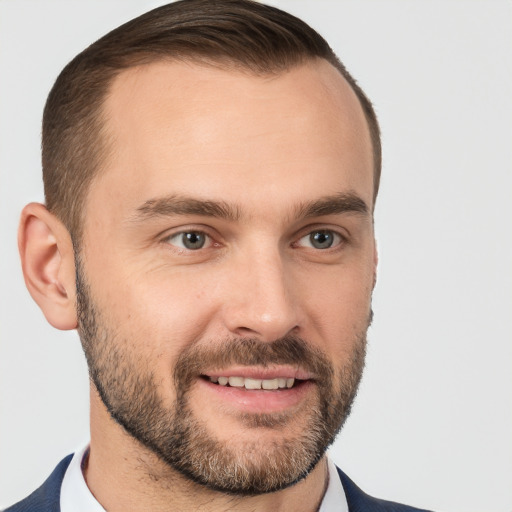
point(208, 241)
point(306, 232)
point(203, 230)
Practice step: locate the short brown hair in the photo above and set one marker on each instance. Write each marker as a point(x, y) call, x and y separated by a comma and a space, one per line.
point(236, 33)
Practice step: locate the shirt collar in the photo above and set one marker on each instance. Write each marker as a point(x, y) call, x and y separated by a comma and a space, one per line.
point(75, 496)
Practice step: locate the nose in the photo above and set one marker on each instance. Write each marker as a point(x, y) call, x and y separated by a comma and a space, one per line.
point(261, 302)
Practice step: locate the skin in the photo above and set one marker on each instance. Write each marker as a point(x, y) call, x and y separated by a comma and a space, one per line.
point(266, 146)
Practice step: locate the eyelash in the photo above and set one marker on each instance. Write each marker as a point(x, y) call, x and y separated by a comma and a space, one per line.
point(199, 232)
point(339, 239)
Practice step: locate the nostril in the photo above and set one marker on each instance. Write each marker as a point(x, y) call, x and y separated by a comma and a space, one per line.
point(247, 332)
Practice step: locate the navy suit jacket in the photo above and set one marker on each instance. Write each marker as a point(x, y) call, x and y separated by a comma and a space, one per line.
point(47, 497)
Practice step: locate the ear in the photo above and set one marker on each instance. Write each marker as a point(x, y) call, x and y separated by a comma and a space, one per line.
point(48, 264)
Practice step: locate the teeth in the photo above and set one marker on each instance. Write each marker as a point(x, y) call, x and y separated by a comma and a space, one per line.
point(269, 384)
point(241, 382)
point(253, 383)
point(237, 382)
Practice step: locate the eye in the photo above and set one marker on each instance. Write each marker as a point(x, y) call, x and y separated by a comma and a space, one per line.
point(189, 240)
point(321, 239)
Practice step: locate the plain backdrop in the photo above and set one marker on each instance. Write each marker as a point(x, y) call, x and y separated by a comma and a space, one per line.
point(432, 425)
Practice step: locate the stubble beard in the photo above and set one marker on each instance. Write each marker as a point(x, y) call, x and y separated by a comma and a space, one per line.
point(128, 389)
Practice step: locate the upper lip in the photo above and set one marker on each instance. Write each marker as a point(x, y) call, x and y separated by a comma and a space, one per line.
point(254, 372)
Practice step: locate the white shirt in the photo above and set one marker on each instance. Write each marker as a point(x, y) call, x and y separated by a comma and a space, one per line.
point(75, 496)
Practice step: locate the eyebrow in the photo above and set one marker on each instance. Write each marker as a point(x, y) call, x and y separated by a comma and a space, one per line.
point(182, 205)
point(347, 202)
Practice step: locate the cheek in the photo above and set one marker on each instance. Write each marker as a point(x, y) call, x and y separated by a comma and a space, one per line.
point(337, 304)
point(163, 313)
point(150, 323)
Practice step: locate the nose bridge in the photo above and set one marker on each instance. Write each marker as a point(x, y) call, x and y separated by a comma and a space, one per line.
point(263, 302)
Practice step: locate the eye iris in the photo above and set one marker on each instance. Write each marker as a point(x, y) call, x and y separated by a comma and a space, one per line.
point(193, 240)
point(321, 239)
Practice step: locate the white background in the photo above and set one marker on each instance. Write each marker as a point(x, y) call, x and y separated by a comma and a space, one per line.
point(433, 421)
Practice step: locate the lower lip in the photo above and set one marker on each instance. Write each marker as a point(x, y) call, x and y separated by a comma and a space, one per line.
point(259, 400)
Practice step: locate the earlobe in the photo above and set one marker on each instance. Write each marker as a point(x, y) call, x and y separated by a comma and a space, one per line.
point(48, 265)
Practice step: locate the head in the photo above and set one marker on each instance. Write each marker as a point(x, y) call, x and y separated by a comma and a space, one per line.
point(210, 173)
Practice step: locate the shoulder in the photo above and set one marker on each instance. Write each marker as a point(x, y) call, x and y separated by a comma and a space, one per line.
point(47, 497)
point(359, 501)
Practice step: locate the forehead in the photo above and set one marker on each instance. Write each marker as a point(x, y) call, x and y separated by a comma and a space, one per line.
point(178, 127)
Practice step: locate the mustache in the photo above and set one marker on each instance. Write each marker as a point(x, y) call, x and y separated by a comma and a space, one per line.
point(289, 350)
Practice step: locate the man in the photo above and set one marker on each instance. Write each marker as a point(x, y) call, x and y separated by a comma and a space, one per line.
point(210, 175)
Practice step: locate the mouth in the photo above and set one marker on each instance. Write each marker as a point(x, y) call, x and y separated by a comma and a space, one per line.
point(248, 383)
point(257, 390)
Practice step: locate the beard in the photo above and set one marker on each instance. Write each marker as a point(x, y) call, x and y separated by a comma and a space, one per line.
point(129, 390)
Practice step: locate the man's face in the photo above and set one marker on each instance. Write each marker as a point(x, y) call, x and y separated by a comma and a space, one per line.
point(229, 237)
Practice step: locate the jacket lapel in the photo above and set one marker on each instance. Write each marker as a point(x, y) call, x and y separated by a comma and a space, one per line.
point(47, 497)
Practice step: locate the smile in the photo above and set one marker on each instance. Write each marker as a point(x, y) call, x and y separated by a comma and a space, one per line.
point(250, 383)
point(253, 389)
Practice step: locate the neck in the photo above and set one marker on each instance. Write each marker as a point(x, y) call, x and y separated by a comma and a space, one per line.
point(125, 476)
